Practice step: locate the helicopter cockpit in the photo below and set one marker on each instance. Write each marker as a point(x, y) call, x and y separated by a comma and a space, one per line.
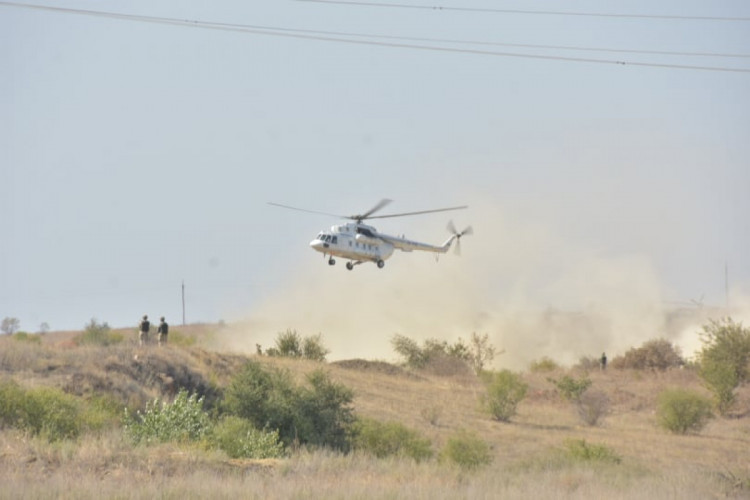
point(327, 238)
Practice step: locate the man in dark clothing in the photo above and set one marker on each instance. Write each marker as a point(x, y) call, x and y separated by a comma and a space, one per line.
point(603, 361)
point(143, 330)
point(163, 331)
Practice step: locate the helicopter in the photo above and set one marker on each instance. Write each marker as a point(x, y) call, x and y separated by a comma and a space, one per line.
point(360, 243)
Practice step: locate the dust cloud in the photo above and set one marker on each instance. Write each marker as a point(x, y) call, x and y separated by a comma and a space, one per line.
point(535, 293)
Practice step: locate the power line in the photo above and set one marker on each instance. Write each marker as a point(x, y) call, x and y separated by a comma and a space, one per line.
point(532, 12)
point(506, 44)
point(329, 37)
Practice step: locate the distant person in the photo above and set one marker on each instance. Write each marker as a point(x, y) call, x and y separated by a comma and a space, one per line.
point(143, 330)
point(603, 361)
point(163, 331)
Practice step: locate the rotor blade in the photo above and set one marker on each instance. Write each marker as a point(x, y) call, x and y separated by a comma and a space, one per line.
point(374, 209)
point(419, 213)
point(451, 227)
point(305, 210)
point(468, 230)
point(457, 248)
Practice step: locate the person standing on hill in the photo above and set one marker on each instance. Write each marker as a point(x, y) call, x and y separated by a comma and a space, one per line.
point(163, 331)
point(603, 361)
point(143, 330)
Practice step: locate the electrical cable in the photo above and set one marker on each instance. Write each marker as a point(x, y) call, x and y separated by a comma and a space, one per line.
point(533, 12)
point(311, 35)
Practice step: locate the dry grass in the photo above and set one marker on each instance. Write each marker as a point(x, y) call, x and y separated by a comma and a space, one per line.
point(529, 457)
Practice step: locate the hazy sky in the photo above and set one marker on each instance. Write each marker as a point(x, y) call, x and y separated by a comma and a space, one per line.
point(135, 155)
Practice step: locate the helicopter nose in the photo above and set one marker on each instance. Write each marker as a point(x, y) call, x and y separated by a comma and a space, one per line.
point(318, 245)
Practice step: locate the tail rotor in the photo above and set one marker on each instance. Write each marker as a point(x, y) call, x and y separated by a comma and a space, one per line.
point(457, 235)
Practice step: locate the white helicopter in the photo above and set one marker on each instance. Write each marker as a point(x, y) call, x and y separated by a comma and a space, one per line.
point(361, 243)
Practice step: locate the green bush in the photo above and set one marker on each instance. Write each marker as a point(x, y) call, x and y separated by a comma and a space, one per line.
point(656, 354)
point(383, 439)
point(182, 420)
point(313, 348)
point(505, 390)
point(240, 439)
point(569, 388)
point(290, 344)
point(101, 412)
point(45, 412)
point(681, 411)
point(415, 356)
point(467, 451)
point(580, 450)
point(99, 334)
point(724, 360)
point(318, 414)
point(27, 337)
point(543, 365)
point(443, 358)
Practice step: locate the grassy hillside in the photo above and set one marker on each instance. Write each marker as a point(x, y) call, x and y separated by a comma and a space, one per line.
point(533, 455)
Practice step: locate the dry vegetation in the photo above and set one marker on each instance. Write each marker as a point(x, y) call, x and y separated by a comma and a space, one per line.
point(529, 459)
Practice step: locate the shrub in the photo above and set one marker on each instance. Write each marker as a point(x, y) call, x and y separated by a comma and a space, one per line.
point(182, 420)
point(98, 334)
point(383, 439)
point(724, 360)
point(26, 337)
point(580, 450)
point(101, 412)
point(681, 410)
point(467, 451)
point(290, 344)
point(443, 358)
point(543, 365)
point(313, 348)
point(410, 350)
point(45, 412)
point(240, 439)
point(481, 352)
point(9, 326)
point(571, 389)
point(592, 406)
point(323, 415)
point(505, 390)
point(318, 415)
point(655, 354)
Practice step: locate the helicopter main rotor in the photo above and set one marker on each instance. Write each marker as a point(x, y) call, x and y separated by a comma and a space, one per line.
point(369, 214)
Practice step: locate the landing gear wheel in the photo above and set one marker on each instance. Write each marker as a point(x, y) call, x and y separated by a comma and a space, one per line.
point(380, 264)
point(331, 262)
point(349, 266)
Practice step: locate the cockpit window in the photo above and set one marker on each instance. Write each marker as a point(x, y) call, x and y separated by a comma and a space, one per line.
point(335, 240)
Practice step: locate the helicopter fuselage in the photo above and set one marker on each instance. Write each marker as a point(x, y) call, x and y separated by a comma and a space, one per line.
point(356, 242)
point(362, 243)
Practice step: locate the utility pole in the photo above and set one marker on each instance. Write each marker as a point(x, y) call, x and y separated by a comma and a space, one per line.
point(183, 302)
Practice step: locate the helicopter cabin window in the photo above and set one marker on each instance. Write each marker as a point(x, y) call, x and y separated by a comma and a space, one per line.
point(335, 240)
